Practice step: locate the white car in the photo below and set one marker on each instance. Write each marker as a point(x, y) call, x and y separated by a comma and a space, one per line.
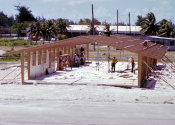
point(53, 39)
point(26, 38)
point(15, 38)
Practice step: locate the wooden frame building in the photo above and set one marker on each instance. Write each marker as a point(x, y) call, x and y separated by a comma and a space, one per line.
point(42, 58)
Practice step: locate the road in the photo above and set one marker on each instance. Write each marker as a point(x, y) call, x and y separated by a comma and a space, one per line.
point(1, 52)
point(54, 112)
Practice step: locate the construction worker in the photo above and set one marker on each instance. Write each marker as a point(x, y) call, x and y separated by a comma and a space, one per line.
point(82, 51)
point(77, 60)
point(132, 64)
point(114, 61)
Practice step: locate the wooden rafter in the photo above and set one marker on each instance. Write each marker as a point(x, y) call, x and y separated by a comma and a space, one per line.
point(124, 42)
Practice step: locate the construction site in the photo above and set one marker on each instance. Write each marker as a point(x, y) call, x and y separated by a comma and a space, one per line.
point(49, 84)
point(48, 64)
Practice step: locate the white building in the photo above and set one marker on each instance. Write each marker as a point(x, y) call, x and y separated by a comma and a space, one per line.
point(83, 29)
point(170, 42)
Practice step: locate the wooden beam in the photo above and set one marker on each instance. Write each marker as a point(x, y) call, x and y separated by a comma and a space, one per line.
point(53, 56)
point(44, 55)
point(139, 70)
point(58, 54)
point(87, 51)
point(154, 51)
point(65, 50)
point(39, 57)
point(22, 67)
point(28, 64)
point(50, 58)
point(34, 58)
point(72, 52)
point(68, 50)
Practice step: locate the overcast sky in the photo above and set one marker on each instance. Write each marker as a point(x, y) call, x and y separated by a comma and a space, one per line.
point(103, 9)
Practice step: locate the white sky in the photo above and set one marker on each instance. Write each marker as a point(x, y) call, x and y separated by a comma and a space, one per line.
point(104, 9)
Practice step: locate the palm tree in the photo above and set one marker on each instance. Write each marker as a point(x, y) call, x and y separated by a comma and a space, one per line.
point(44, 31)
point(91, 29)
point(37, 30)
point(149, 26)
point(30, 32)
point(51, 30)
point(61, 25)
point(140, 20)
point(107, 29)
point(166, 29)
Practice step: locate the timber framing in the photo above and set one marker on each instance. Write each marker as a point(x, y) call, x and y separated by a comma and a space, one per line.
point(123, 42)
point(149, 54)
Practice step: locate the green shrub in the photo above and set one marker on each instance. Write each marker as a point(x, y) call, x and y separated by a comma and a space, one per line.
point(62, 36)
point(12, 42)
point(10, 58)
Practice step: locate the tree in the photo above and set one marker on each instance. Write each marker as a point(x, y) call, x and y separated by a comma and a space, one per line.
point(24, 14)
point(35, 30)
point(20, 27)
point(140, 20)
point(1, 30)
point(3, 20)
point(107, 29)
point(97, 22)
point(166, 28)
point(91, 30)
point(149, 25)
point(46, 30)
point(85, 21)
point(51, 30)
point(6, 21)
point(61, 26)
point(30, 30)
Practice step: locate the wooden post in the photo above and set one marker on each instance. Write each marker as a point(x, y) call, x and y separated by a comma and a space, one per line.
point(58, 54)
point(117, 21)
point(44, 55)
point(34, 58)
point(139, 70)
point(68, 50)
point(53, 59)
point(65, 51)
point(50, 59)
point(22, 67)
point(39, 57)
point(145, 67)
point(28, 64)
point(87, 51)
point(154, 62)
point(73, 52)
point(149, 63)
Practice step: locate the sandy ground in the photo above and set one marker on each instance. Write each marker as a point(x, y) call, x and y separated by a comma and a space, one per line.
point(1, 52)
point(93, 74)
point(74, 104)
point(74, 89)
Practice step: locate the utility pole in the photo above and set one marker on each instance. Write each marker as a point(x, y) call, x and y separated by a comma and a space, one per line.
point(93, 30)
point(117, 21)
point(129, 23)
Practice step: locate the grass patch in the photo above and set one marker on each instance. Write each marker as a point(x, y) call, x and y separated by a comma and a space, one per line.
point(12, 42)
point(13, 58)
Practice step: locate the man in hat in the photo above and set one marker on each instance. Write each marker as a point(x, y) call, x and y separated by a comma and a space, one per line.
point(114, 61)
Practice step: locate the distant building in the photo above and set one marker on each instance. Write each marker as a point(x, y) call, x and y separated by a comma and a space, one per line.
point(76, 30)
point(170, 42)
